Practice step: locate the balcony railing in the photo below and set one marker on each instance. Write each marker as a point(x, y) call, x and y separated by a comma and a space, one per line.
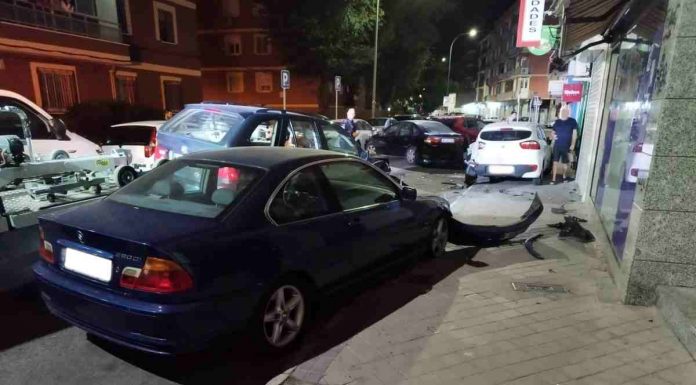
point(31, 13)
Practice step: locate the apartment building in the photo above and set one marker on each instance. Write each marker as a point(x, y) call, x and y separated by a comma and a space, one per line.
point(62, 52)
point(241, 59)
point(507, 73)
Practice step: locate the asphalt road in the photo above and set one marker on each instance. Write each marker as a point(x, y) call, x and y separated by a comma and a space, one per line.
point(37, 348)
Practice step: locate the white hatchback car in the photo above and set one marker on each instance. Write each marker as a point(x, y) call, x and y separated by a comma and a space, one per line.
point(516, 149)
point(140, 138)
point(49, 137)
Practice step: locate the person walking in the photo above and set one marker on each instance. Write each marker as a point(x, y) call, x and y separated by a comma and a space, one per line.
point(565, 131)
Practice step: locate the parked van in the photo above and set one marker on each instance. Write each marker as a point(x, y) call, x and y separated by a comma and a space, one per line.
point(50, 138)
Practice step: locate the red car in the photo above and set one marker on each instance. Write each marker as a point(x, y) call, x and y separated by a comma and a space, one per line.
point(468, 126)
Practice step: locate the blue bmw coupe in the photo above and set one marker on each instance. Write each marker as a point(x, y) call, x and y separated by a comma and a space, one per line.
point(237, 239)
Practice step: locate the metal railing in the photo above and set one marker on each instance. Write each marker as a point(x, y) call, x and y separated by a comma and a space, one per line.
point(31, 13)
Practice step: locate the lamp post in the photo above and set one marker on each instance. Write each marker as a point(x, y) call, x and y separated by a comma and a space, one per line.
point(472, 34)
point(374, 66)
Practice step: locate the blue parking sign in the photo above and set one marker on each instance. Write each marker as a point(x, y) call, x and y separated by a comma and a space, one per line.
point(285, 79)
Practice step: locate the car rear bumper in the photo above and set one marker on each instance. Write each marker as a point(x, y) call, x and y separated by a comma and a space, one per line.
point(151, 327)
point(519, 171)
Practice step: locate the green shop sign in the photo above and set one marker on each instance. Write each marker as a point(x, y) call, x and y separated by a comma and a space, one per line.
point(549, 37)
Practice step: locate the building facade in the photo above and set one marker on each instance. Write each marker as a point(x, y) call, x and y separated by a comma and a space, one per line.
point(60, 53)
point(507, 74)
point(241, 61)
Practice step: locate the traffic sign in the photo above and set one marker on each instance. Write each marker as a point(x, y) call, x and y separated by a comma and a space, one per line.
point(337, 83)
point(285, 79)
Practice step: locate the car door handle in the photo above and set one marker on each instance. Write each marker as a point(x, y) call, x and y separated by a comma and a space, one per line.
point(354, 221)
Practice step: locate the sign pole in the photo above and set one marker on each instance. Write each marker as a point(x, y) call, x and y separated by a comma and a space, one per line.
point(284, 100)
point(336, 109)
point(285, 85)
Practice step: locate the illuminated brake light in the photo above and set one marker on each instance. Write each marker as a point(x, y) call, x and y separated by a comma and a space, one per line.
point(157, 276)
point(433, 140)
point(151, 148)
point(160, 153)
point(45, 248)
point(634, 172)
point(638, 147)
point(530, 145)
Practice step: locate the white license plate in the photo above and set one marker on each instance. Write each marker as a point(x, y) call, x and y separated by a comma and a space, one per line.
point(447, 140)
point(501, 170)
point(87, 264)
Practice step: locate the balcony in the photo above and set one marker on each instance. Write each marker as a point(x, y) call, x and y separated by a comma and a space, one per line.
point(30, 13)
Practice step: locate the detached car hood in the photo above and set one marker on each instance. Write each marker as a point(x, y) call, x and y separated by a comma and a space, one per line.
point(481, 217)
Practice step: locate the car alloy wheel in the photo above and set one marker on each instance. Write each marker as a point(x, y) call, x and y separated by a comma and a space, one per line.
point(411, 155)
point(283, 316)
point(439, 238)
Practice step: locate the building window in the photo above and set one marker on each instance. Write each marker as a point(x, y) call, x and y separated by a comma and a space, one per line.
point(524, 83)
point(124, 84)
point(171, 94)
point(235, 82)
point(501, 68)
point(87, 7)
point(56, 87)
point(497, 88)
point(124, 19)
point(233, 45)
point(262, 44)
point(230, 8)
point(264, 82)
point(509, 85)
point(258, 9)
point(165, 23)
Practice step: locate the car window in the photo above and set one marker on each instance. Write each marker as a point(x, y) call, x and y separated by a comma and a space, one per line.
point(302, 134)
point(480, 125)
point(393, 130)
point(129, 135)
point(358, 185)
point(37, 126)
point(506, 135)
point(337, 141)
point(302, 197)
point(405, 130)
point(209, 125)
point(264, 133)
point(363, 125)
point(189, 187)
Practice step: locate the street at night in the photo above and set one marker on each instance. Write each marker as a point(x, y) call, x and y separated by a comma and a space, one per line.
point(363, 192)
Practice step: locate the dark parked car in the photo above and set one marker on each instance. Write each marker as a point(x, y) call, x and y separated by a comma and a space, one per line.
point(421, 141)
point(242, 238)
point(381, 123)
point(401, 118)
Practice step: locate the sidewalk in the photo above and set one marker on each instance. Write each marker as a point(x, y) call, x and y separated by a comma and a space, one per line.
point(475, 329)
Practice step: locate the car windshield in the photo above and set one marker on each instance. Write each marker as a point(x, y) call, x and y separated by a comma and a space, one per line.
point(207, 124)
point(506, 135)
point(188, 187)
point(435, 127)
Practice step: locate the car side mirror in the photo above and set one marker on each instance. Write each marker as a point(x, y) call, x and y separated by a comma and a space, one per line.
point(409, 193)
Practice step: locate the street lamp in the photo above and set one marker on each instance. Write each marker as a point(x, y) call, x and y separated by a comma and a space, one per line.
point(472, 34)
point(444, 59)
point(374, 66)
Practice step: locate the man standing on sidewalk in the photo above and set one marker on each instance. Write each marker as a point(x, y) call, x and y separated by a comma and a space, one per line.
point(565, 131)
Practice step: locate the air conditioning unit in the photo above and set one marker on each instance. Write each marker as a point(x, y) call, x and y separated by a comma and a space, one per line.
point(524, 71)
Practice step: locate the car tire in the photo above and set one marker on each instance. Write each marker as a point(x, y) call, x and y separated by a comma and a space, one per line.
point(439, 235)
point(279, 323)
point(412, 156)
point(125, 175)
point(60, 154)
point(470, 179)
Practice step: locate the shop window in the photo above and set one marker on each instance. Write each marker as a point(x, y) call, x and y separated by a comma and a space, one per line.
point(233, 45)
point(235, 82)
point(165, 23)
point(125, 87)
point(264, 82)
point(57, 86)
point(262, 44)
point(171, 94)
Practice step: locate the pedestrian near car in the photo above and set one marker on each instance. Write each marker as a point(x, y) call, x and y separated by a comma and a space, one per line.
point(565, 131)
point(350, 125)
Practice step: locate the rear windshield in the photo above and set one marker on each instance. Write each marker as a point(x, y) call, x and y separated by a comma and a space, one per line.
point(210, 124)
point(435, 127)
point(377, 122)
point(193, 188)
point(129, 135)
point(506, 135)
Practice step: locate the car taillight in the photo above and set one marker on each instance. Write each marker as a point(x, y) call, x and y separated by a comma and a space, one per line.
point(530, 145)
point(638, 147)
point(45, 248)
point(634, 172)
point(160, 153)
point(150, 150)
point(534, 167)
point(227, 175)
point(481, 145)
point(433, 140)
point(157, 276)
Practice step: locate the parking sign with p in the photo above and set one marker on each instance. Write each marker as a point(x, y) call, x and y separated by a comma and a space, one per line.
point(285, 79)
